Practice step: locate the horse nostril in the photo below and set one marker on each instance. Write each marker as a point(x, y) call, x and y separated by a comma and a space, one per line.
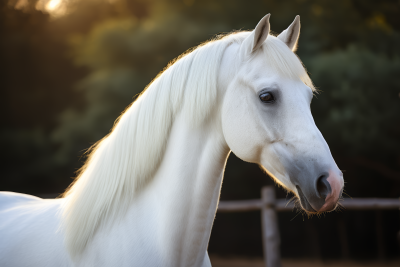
point(323, 186)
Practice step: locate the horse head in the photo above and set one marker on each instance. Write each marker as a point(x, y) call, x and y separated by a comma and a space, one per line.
point(266, 116)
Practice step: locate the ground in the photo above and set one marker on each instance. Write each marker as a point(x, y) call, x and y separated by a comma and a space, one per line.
point(218, 261)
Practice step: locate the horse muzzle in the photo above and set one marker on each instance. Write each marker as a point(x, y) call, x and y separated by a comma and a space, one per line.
point(322, 194)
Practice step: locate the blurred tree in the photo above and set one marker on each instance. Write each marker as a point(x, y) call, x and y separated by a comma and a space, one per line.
point(35, 79)
point(359, 108)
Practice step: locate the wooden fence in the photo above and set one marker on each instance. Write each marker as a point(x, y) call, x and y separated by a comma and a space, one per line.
point(269, 207)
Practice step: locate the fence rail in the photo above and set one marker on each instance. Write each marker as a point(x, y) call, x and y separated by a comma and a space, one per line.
point(269, 207)
point(283, 205)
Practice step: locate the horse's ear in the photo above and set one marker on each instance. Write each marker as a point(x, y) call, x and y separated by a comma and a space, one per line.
point(290, 36)
point(256, 38)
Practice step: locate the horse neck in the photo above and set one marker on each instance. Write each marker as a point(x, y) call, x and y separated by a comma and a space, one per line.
point(186, 188)
point(188, 181)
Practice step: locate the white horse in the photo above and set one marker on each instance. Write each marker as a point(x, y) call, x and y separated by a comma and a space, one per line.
point(148, 193)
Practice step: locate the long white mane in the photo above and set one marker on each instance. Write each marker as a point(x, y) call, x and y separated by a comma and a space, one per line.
point(126, 159)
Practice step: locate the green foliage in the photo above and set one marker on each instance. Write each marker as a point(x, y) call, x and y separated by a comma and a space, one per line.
point(20, 146)
point(358, 110)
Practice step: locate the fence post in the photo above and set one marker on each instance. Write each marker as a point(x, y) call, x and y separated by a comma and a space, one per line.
point(270, 231)
point(398, 234)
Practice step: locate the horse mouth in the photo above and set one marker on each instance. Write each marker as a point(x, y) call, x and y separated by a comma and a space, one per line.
point(304, 202)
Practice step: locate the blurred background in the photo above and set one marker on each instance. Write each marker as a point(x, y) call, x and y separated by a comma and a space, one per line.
point(68, 68)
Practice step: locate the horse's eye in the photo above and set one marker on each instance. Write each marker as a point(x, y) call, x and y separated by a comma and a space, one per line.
point(267, 97)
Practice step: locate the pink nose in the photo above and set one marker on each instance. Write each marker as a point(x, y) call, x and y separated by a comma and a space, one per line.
point(336, 183)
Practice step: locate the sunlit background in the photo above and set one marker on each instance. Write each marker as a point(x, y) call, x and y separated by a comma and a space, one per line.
point(69, 68)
